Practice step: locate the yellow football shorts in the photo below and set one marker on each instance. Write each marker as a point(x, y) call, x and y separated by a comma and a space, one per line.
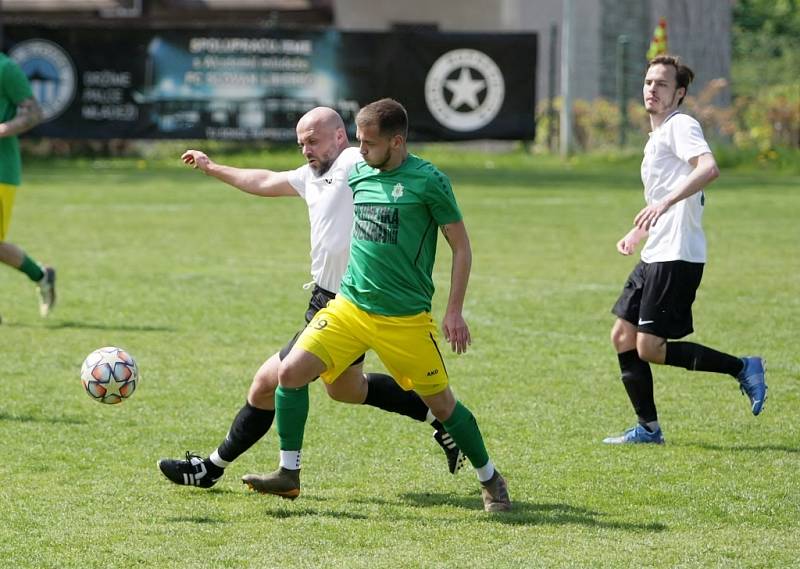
point(7, 194)
point(406, 345)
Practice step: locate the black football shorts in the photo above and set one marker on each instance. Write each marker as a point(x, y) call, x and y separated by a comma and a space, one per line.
point(657, 298)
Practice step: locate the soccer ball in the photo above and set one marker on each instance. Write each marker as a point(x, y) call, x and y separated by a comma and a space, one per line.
point(109, 375)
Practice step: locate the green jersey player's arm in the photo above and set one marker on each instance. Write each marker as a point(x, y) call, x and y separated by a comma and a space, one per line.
point(259, 182)
point(454, 326)
point(29, 114)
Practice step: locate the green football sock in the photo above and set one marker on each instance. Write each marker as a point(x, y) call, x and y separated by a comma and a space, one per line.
point(463, 427)
point(31, 268)
point(291, 412)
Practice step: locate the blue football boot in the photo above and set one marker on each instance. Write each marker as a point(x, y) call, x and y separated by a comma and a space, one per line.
point(752, 384)
point(637, 435)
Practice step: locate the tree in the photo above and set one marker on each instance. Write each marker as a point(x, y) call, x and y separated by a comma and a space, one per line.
point(766, 45)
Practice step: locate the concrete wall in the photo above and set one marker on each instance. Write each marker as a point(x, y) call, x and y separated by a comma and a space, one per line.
point(699, 30)
point(460, 15)
point(457, 16)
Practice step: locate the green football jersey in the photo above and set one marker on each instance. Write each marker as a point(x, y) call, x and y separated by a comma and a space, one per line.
point(396, 225)
point(14, 88)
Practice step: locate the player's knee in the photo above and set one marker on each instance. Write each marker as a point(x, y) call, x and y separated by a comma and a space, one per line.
point(441, 404)
point(647, 355)
point(337, 396)
point(264, 385)
point(285, 373)
point(622, 338)
point(353, 396)
point(647, 351)
point(350, 387)
point(290, 374)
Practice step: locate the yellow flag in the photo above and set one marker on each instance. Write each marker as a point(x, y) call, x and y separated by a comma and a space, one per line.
point(658, 45)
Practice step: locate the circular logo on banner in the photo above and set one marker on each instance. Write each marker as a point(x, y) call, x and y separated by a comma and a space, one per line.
point(464, 90)
point(50, 72)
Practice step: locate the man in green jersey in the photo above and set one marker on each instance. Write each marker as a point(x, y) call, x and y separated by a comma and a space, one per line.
point(384, 301)
point(19, 112)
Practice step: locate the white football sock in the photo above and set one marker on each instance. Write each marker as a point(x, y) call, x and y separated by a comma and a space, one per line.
point(485, 472)
point(290, 459)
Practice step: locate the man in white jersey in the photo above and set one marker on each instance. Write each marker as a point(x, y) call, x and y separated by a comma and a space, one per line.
point(322, 183)
point(656, 303)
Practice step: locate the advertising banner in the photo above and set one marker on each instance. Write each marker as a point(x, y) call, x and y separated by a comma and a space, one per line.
point(155, 84)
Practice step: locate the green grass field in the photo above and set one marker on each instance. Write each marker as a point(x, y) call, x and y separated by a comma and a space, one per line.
point(201, 283)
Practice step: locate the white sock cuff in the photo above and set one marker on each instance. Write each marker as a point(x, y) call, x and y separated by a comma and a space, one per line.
point(290, 459)
point(485, 472)
point(216, 460)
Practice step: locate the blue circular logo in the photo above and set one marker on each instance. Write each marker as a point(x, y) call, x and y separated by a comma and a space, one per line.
point(51, 74)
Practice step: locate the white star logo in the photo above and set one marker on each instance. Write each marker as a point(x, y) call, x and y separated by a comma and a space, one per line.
point(475, 74)
point(465, 89)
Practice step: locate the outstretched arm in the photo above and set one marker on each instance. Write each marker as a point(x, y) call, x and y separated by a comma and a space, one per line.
point(454, 326)
point(29, 114)
point(253, 181)
point(705, 171)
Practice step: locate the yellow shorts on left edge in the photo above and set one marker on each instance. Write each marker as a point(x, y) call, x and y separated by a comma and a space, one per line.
point(407, 345)
point(7, 195)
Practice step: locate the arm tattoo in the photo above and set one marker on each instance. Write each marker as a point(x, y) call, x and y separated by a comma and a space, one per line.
point(28, 113)
point(444, 232)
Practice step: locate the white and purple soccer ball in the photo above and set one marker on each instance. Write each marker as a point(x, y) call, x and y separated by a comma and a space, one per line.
point(109, 375)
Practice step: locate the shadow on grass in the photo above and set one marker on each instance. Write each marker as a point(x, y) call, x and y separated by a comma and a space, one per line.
point(119, 327)
point(41, 419)
point(526, 513)
point(746, 448)
point(75, 325)
point(303, 512)
point(523, 513)
point(194, 520)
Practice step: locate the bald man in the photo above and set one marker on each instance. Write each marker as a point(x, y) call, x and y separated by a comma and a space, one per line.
point(322, 183)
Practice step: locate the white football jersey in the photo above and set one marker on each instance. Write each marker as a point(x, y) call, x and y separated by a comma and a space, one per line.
point(330, 213)
point(678, 234)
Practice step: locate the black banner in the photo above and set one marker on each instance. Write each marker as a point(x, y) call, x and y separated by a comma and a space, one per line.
point(99, 83)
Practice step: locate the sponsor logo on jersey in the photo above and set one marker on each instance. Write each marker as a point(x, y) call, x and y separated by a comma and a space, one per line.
point(464, 90)
point(378, 224)
point(432, 373)
point(397, 191)
point(51, 74)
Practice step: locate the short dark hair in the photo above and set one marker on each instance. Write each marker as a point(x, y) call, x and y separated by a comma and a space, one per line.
point(683, 74)
point(389, 115)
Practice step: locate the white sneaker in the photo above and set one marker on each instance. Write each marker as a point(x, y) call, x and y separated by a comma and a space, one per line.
point(47, 291)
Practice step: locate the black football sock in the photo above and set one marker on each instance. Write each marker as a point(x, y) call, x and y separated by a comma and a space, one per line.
point(695, 357)
point(638, 381)
point(250, 424)
point(384, 392)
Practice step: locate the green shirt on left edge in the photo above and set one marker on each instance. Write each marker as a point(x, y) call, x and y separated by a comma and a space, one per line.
point(14, 88)
point(395, 228)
